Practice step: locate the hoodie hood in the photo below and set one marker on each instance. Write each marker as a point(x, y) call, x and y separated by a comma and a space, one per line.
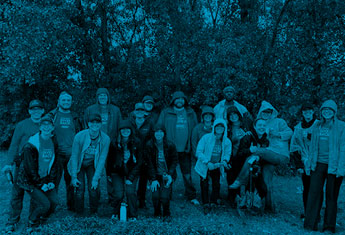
point(330, 104)
point(223, 122)
point(102, 91)
point(178, 94)
point(264, 106)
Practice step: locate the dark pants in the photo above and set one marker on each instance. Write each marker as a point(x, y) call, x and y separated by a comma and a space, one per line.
point(43, 204)
point(94, 195)
point(110, 189)
point(63, 161)
point(306, 184)
point(119, 188)
point(17, 196)
point(161, 198)
point(143, 179)
point(215, 177)
point(314, 202)
point(232, 173)
point(185, 166)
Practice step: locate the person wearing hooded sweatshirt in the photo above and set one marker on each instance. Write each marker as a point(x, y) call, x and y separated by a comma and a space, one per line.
point(257, 137)
point(325, 162)
point(222, 106)
point(179, 120)
point(24, 129)
point(213, 154)
point(124, 167)
point(205, 127)
point(162, 162)
point(276, 153)
point(143, 127)
point(89, 153)
point(111, 117)
point(299, 146)
point(38, 173)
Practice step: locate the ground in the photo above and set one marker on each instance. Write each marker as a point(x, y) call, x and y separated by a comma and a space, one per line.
point(186, 218)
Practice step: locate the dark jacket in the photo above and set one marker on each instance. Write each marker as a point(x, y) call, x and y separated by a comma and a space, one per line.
point(130, 170)
point(144, 132)
point(28, 177)
point(170, 155)
point(78, 123)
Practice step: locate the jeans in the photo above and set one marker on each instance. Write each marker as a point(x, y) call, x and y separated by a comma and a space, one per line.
point(17, 196)
point(143, 179)
point(63, 161)
point(161, 198)
point(185, 162)
point(120, 188)
point(215, 176)
point(42, 203)
point(315, 197)
point(94, 194)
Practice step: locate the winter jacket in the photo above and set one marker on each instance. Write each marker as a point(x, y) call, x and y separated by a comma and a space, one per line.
point(168, 118)
point(170, 155)
point(144, 132)
point(130, 170)
point(220, 110)
point(198, 132)
point(279, 144)
point(78, 124)
point(82, 141)
point(336, 164)
point(114, 115)
point(28, 177)
point(205, 148)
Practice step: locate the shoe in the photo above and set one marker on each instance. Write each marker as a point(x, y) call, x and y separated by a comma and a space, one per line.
point(235, 185)
point(195, 202)
point(132, 219)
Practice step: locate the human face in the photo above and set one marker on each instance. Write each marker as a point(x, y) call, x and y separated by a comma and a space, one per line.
point(308, 114)
point(179, 102)
point(234, 117)
point(266, 114)
point(219, 129)
point(148, 106)
point(208, 117)
point(46, 128)
point(36, 113)
point(95, 126)
point(260, 127)
point(327, 113)
point(103, 99)
point(229, 94)
point(125, 132)
point(65, 102)
point(139, 113)
point(159, 135)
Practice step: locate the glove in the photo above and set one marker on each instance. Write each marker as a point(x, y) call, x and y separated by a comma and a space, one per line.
point(51, 186)
point(45, 188)
point(154, 185)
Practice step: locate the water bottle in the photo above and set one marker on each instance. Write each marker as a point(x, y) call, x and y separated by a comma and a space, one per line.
point(123, 212)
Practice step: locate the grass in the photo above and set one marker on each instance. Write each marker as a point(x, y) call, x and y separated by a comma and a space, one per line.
point(187, 218)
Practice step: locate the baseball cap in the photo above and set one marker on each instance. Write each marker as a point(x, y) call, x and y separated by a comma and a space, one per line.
point(35, 104)
point(139, 106)
point(95, 117)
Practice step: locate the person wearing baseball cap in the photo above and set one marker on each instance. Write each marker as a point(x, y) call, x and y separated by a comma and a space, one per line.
point(23, 130)
point(89, 154)
point(149, 105)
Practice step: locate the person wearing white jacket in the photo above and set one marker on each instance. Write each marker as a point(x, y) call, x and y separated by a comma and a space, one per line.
point(213, 153)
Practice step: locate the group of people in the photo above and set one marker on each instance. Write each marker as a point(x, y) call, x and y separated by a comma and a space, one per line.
point(145, 148)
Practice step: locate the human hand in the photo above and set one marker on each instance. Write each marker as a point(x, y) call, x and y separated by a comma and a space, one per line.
point(300, 171)
point(154, 185)
point(128, 182)
point(211, 166)
point(75, 182)
point(94, 184)
point(51, 186)
point(45, 188)
point(253, 148)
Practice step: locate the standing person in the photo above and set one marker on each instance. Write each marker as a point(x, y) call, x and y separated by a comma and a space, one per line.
point(38, 173)
point(124, 167)
point(325, 162)
point(142, 130)
point(162, 162)
point(299, 146)
point(220, 109)
point(179, 120)
point(149, 105)
point(89, 153)
point(22, 132)
point(279, 135)
point(205, 127)
point(213, 153)
point(67, 124)
point(111, 117)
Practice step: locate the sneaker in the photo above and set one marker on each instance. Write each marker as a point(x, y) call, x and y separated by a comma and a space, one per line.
point(195, 202)
point(235, 185)
point(132, 219)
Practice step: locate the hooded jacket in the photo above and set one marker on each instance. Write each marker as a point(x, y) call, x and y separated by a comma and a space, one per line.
point(81, 142)
point(205, 148)
point(336, 163)
point(28, 177)
point(220, 110)
point(114, 115)
point(168, 118)
point(279, 144)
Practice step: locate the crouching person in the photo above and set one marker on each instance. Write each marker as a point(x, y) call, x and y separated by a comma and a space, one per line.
point(124, 167)
point(89, 152)
point(213, 154)
point(162, 162)
point(38, 173)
